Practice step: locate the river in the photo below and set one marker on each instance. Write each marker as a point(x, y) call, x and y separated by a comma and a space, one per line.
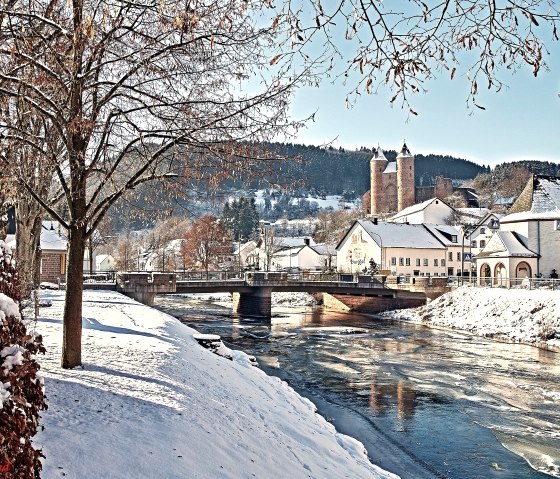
point(426, 403)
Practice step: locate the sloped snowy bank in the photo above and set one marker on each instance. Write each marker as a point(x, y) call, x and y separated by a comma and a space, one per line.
point(150, 402)
point(512, 314)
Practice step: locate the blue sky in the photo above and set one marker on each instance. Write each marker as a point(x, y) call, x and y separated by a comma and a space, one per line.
point(520, 122)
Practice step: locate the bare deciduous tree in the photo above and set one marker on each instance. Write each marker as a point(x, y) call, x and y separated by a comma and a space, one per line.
point(136, 92)
point(402, 45)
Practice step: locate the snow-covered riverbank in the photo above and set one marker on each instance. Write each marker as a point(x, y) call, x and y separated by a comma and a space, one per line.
point(513, 314)
point(150, 402)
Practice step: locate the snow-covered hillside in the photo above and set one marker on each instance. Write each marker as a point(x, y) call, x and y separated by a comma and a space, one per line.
point(513, 314)
point(150, 402)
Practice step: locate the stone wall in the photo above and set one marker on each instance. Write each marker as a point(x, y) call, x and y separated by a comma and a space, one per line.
point(372, 304)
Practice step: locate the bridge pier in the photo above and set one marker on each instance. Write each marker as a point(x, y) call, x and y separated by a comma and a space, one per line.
point(258, 302)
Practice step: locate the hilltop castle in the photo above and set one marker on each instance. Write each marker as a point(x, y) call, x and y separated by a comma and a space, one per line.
point(393, 188)
point(392, 182)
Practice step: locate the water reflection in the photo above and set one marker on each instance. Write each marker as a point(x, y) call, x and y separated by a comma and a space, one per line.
point(400, 395)
point(453, 404)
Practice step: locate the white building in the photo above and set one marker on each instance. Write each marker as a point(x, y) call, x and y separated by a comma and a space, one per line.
point(301, 257)
point(104, 262)
point(531, 246)
point(434, 211)
point(397, 248)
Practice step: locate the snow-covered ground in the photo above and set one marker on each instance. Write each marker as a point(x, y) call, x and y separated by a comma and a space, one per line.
point(512, 314)
point(150, 402)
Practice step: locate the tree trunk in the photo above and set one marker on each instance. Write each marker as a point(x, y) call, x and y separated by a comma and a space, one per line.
point(72, 319)
point(28, 236)
point(90, 252)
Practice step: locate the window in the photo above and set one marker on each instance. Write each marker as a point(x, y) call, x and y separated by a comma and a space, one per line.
point(557, 225)
point(416, 272)
point(458, 256)
point(401, 261)
point(443, 262)
point(393, 261)
point(454, 238)
point(435, 262)
point(425, 261)
point(435, 274)
point(407, 261)
point(473, 244)
point(417, 261)
point(482, 231)
point(450, 256)
point(482, 243)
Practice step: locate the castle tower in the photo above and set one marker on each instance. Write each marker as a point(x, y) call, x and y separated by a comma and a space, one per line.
point(405, 178)
point(377, 166)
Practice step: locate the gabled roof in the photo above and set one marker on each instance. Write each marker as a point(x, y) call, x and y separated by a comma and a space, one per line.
point(418, 207)
point(504, 244)
point(445, 234)
point(397, 235)
point(540, 199)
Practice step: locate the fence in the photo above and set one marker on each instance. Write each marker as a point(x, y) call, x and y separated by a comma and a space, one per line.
point(509, 283)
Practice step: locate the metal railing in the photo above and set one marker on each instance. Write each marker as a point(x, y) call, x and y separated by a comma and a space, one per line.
point(508, 283)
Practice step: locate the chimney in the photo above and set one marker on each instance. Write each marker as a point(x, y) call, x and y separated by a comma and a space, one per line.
point(306, 240)
point(375, 221)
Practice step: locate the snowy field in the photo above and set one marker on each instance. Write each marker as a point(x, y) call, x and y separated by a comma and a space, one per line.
point(511, 314)
point(151, 403)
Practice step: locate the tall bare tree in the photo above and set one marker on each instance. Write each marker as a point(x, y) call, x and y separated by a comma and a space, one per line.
point(135, 92)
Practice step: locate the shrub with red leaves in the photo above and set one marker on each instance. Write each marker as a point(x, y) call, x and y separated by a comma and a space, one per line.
point(21, 389)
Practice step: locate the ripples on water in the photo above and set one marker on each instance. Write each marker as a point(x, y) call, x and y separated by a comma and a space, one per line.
point(442, 404)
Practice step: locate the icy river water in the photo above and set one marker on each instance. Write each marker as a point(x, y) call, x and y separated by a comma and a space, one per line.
point(426, 403)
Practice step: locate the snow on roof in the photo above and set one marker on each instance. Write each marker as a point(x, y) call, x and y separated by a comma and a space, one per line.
point(391, 167)
point(445, 234)
point(505, 244)
point(400, 235)
point(405, 152)
point(417, 208)
point(53, 237)
point(539, 200)
point(379, 155)
point(292, 241)
point(474, 212)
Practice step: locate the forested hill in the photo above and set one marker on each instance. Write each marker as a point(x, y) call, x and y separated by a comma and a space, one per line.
point(534, 166)
point(335, 170)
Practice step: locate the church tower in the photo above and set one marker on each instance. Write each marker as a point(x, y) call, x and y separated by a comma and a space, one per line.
point(377, 166)
point(405, 179)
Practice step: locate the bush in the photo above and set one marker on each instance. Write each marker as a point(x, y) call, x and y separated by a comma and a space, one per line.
point(21, 389)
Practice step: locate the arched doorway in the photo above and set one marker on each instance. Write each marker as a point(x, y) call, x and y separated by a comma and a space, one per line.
point(523, 270)
point(485, 274)
point(500, 275)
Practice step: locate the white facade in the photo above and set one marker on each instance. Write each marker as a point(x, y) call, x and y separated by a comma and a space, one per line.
point(303, 257)
point(528, 243)
point(434, 211)
point(398, 249)
point(104, 262)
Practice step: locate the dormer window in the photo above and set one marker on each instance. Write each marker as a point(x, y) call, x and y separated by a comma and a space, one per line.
point(454, 238)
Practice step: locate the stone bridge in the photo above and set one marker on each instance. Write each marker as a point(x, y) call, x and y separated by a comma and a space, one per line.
point(252, 292)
